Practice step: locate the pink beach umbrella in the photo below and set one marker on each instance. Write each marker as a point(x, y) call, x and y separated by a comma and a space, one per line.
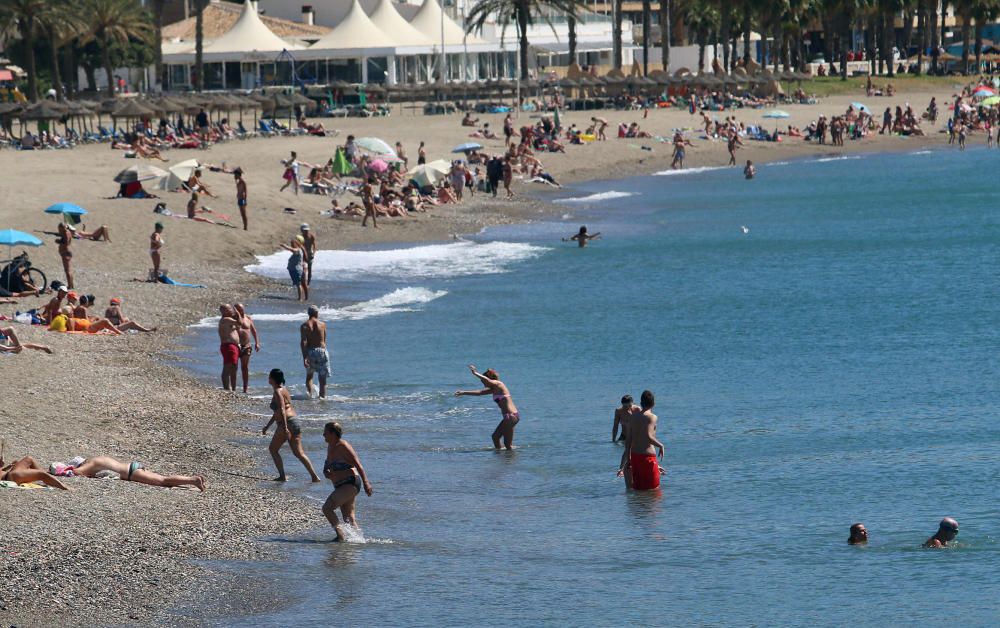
point(983, 92)
point(378, 165)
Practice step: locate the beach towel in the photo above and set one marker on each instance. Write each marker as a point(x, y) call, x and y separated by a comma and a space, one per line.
point(171, 282)
point(29, 485)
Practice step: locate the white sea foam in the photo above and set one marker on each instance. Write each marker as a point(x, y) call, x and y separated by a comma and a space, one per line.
point(421, 262)
point(401, 300)
point(594, 198)
point(670, 173)
point(841, 158)
point(922, 152)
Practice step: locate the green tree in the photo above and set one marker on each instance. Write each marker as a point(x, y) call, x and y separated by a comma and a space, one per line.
point(111, 22)
point(23, 18)
point(522, 14)
point(702, 19)
point(61, 23)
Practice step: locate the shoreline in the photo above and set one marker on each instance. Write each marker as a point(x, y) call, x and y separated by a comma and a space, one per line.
point(131, 397)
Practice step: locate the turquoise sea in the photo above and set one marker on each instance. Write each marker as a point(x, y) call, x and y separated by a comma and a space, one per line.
point(833, 362)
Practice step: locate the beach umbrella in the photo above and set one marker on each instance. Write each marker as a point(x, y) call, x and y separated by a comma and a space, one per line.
point(984, 92)
point(140, 172)
point(992, 100)
point(777, 113)
point(466, 147)
point(378, 165)
point(13, 237)
point(860, 107)
point(179, 174)
point(68, 209)
point(430, 173)
point(375, 145)
point(340, 163)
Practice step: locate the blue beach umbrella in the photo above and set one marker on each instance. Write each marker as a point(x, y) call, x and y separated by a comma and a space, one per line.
point(777, 113)
point(467, 147)
point(66, 208)
point(860, 106)
point(13, 237)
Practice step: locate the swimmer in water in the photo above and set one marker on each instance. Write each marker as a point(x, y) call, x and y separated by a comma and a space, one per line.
point(582, 237)
point(859, 535)
point(511, 417)
point(750, 170)
point(947, 531)
point(621, 418)
point(343, 468)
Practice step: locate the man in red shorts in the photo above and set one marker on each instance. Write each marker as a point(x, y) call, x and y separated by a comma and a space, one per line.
point(639, 458)
point(229, 347)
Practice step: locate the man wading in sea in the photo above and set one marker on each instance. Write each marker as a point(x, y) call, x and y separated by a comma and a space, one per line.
point(314, 355)
point(229, 347)
point(638, 464)
point(622, 415)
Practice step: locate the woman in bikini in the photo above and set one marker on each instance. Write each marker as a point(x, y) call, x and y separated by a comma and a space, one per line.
point(134, 472)
point(64, 241)
point(343, 468)
point(288, 428)
point(511, 417)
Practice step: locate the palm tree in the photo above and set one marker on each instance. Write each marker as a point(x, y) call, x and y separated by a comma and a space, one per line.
point(157, 10)
point(199, 43)
point(522, 13)
point(725, 20)
point(23, 17)
point(61, 24)
point(702, 18)
point(571, 37)
point(113, 22)
point(616, 35)
point(664, 15)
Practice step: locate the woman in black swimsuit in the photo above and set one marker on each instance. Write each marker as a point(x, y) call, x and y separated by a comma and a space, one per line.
point(288, 428)
point(344, 469)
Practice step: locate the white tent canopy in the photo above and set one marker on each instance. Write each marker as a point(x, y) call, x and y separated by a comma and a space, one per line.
point(428, 21)
point(249, 34)
point(355, 32)
point(386, 18)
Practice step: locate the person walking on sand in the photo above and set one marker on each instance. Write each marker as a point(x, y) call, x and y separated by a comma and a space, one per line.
point(508, 176)
point(622, 414)
point(733, 144)
point(421, 154)
point(510, 417)
point(64, 241)
point(368, 200)
point(344, 469)
point(291, 174)
point(229, 345)
point(241, 195)
point(679, 144)
point(247, 332)
point(295, 266)
point(638, 462)
point(316, 359)
point(288, 429)
point(309, 250)
point(156, 243)
point(582, 237)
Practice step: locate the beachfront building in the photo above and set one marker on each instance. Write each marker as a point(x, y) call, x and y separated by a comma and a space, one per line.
point(273, 42)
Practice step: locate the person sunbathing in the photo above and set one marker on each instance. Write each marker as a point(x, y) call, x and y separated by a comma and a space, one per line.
point(193, 210)
point(142, 149)
point(27, 470)
point(468, 120)
point(134, 472)
point(117, 317)
point(9, 342)
point(446, 195)
point(65, 321)
point(101, 233)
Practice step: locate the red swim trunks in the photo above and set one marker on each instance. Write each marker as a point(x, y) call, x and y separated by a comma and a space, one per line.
point(645, 471)
point(230, 353)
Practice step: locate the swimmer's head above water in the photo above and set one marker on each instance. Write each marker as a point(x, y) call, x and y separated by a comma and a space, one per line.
point(859, 535)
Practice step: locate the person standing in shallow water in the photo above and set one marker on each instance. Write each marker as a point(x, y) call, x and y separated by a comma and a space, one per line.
point(639, 458)
point(288, 428)
point(316, 359)
point(622, 415)
point(508, 411)
point(247, 332)
point(582, 237)
point(343, 468)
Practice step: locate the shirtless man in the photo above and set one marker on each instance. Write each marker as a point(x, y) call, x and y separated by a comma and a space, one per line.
point(229, 347)
point(679, 150)
point(247, 331)
point(368, 199)
point(195, 184)
point(638, 464)
point(582, 237)
point(749, 171)
point(621, 418)
point(133, 472)
point(600, 128)
point(859, 535)
point(314, 355)
point(51, 309)
point(310, 249)
point(241, 195)
point(947, 531)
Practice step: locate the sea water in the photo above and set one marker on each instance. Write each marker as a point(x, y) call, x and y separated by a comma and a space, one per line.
point(821, 341)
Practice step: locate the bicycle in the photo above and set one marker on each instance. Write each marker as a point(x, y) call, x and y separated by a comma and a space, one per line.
point(12, 276)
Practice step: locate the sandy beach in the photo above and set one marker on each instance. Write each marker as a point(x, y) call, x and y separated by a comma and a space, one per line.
point(117, 552)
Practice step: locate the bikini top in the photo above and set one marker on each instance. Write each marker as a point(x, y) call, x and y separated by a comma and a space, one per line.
point(336, 465)
point(498, 397)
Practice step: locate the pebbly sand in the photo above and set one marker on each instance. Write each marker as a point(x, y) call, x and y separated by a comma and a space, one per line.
point(116, 552)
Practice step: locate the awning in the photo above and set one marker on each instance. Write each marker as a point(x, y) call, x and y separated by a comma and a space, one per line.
point(562, 47)
point(6, 75)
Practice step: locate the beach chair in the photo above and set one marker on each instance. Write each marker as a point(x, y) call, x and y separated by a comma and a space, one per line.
point(265, 129)
point(242, 132)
